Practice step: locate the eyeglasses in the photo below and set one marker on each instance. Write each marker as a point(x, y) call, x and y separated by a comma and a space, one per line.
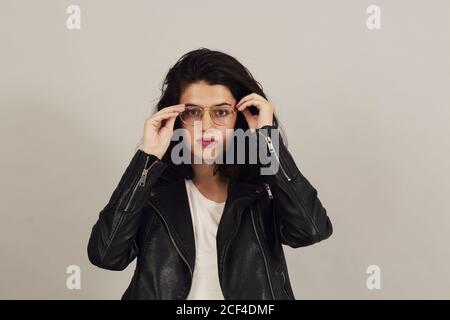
point(221, 116)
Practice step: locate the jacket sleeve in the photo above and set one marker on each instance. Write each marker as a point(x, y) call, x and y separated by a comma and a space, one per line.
point(301, 218)
point(112, 242)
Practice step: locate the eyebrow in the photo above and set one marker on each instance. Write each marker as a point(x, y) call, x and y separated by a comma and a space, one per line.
point(216, 105)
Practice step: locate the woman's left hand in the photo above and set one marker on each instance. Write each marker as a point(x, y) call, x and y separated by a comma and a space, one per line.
point(265, 116)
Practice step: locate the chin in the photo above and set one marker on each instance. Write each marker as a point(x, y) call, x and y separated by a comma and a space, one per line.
point(206, 158)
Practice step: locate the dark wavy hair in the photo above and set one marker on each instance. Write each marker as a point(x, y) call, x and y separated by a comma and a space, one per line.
point(213, 67)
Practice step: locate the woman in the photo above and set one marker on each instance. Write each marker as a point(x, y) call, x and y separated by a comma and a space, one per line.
point(206, 229)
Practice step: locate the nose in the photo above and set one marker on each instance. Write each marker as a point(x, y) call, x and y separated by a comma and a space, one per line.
point(207, 121)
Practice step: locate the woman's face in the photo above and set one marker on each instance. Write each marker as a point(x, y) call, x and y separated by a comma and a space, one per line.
point(208, 133)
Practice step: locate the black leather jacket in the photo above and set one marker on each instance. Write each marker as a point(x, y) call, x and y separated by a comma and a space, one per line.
point(148, 217)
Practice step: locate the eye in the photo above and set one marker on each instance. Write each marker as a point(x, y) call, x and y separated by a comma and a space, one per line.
point(193, 112)
point(222, 112)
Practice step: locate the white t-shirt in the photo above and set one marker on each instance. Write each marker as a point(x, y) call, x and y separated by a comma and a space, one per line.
point(206, 216)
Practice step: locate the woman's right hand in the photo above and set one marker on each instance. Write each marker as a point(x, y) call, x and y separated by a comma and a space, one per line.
point(158, 130)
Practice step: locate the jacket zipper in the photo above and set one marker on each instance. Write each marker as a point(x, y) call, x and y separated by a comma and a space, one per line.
point(225, 253)
point(174, 244)
point(272, 150)
point(269, 192)
point(141, 182)
point(264, 255)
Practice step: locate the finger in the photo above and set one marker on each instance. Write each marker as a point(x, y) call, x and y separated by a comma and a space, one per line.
point(257, 103)
point(176, 107)
point(165, 114)
point(250, 97)
point(159, 117)
point(170, 123)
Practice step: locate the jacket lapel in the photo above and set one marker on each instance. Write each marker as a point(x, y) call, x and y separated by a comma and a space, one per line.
point(240, 196)
point(172, 202)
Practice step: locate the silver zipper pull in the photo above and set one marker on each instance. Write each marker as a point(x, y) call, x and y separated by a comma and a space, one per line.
point(141, 182)
point(143, 178)
point(269, 192)
point(272, 150)
point(270, 145)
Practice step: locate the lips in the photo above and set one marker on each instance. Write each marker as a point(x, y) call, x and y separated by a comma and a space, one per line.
point(205, 141)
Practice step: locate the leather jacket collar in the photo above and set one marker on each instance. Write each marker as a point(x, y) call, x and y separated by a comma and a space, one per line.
point(171, 201)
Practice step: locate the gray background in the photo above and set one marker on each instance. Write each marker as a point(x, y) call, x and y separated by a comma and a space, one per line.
point(366, 114)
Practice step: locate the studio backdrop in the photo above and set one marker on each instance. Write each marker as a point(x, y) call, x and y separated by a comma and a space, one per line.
point(361, 89)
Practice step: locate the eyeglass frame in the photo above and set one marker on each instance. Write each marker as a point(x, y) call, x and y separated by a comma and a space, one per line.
point(204, 109)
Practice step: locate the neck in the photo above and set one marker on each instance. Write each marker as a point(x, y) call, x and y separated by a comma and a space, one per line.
point(203, 174)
